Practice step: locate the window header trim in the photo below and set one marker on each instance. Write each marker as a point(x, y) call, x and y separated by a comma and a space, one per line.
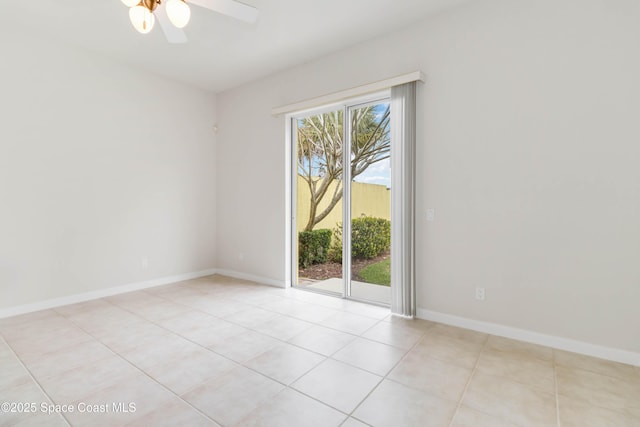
point(343, 95)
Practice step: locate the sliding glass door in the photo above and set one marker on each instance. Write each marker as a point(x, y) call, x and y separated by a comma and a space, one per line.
point(369, 203)
point(342, 232)
point(318, 200)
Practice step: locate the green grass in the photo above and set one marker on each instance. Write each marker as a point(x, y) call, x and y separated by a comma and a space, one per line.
point(378, 273)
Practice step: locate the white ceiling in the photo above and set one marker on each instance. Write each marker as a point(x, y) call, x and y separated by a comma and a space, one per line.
point(221, 52)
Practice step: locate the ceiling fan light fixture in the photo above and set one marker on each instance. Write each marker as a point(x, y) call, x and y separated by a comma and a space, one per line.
point(131, 3)
point(178, 12)
point(142, 19)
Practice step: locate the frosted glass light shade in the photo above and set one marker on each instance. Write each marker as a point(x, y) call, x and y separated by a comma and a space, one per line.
point(131, 3)
point(178, 12)
point(142, 19)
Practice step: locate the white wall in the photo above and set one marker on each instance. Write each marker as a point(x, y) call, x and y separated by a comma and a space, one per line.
point(528, 151)
point(100, 167)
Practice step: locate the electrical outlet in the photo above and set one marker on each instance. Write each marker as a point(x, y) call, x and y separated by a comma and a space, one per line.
point(241, 256)
point(145, 263)
point(480, 294)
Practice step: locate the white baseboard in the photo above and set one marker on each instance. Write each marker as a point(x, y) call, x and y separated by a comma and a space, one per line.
point(613, 354)
point(252, 278)
point(101, 293)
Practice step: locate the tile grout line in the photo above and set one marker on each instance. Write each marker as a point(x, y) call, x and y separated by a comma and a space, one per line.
point(349, 417)
point(33, 378)
point(466, 387)
point(290, 298)
point(382, 378)
point(314, 323)
point(289, 386)
point(385, 377)
point(153, 322)
point(342, 309)
point(134, 366)
point(167, 295)
point(310, 397)
point(242, 364)
point(249, 305)
point(242, 326)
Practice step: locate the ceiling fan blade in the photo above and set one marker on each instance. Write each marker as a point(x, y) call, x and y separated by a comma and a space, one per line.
point(231, 8)
point(174, 35)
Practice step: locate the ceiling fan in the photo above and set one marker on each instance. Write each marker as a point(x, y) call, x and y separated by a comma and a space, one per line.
point(175, 14)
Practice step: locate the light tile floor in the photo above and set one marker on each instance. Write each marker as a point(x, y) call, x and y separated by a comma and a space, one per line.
point(360, 290)
point(220, 351)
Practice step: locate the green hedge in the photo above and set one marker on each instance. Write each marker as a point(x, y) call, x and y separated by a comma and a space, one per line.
point(370, 237)
point(313, 247)
point(335, 251)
